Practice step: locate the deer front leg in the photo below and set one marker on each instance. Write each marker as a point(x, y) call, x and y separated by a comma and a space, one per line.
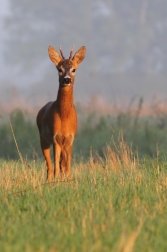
point(68, 162)
point(62, 163)
point(56, 154)
point(46, 152)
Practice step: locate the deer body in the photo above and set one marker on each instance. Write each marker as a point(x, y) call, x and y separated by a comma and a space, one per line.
point(57, 121)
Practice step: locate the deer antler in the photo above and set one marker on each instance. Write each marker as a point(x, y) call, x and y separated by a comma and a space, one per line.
point(61, 53)
point(71, 53)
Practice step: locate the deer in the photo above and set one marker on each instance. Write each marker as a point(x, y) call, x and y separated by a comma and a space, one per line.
point(57, 120)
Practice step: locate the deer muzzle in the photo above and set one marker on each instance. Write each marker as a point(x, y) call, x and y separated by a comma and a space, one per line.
point(66, 80)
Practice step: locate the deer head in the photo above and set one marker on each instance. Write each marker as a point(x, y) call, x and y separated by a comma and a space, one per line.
point(66, 67)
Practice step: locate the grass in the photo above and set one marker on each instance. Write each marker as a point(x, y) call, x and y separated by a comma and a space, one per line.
point(114, 204)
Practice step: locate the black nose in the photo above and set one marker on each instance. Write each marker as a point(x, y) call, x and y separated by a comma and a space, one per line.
point(67, 80)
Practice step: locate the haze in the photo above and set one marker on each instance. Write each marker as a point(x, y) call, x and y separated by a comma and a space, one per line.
point(126, 50)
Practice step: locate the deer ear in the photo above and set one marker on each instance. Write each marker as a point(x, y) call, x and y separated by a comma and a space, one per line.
point(54, 55)
point(79, 55)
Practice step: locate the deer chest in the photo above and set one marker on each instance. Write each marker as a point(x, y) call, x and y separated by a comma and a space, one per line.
point(64, 140)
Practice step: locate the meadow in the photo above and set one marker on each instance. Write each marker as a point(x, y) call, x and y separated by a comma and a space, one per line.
point(114, 201)
point(113, 204)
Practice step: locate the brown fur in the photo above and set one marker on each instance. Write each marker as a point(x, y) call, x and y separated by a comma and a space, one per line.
point(57, 121)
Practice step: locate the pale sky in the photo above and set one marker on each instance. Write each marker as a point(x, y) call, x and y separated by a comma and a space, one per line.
point(4, 10)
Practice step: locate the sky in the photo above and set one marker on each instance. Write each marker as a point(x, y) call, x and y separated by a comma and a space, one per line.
point(4, 11)
point(5, 77)
point(118, 88)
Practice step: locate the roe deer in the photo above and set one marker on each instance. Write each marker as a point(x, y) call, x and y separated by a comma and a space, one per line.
point(57, 120)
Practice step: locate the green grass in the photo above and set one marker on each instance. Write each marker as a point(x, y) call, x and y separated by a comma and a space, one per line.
point(115, 204)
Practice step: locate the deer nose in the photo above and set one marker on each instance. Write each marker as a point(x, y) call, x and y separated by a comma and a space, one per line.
point(67, 80)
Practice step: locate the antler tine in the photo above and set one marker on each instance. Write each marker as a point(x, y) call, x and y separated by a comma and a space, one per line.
point(61, 52)
point(71, 52)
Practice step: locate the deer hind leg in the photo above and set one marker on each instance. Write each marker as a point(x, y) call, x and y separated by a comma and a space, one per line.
point(56, 154)
point(45, 146)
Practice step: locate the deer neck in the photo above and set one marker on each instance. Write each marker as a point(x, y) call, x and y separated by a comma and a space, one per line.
point(65, 100)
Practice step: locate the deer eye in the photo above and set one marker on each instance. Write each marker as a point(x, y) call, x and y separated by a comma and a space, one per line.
point(60, 70)
point(74, 70)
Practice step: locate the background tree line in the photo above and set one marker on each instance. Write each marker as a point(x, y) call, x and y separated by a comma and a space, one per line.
point(147, 136)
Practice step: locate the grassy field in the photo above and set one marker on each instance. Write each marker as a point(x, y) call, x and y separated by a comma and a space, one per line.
point(114, 204)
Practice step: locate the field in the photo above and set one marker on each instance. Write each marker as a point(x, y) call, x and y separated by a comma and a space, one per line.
point(116, 203)
point(116, 199)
